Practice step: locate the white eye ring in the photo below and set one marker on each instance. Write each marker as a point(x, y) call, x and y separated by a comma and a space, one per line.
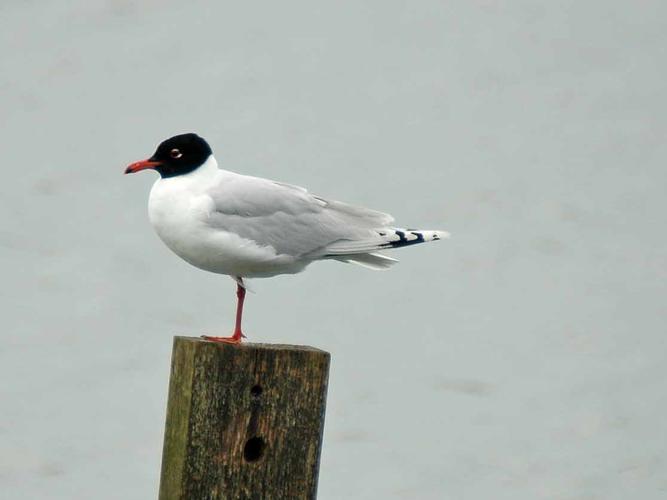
point(175, 153)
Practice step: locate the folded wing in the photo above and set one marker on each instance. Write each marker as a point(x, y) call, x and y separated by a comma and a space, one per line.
point(292, 221)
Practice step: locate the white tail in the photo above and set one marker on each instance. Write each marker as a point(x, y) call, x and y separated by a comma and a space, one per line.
point(362, 252)
point(374, 261)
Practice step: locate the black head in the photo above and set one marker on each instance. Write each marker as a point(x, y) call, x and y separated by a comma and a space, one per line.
point(177, 155)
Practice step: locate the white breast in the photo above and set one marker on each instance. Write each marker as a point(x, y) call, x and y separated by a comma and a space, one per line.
point(179, 209)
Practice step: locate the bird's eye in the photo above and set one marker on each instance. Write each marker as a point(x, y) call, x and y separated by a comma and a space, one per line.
point(175, 153)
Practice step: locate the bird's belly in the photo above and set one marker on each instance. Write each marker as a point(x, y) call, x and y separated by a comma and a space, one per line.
point(186, 233)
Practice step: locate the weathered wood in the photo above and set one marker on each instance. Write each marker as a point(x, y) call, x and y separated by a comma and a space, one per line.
point(243, 421)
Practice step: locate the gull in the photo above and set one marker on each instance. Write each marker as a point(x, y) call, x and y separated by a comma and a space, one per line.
point(250, 227)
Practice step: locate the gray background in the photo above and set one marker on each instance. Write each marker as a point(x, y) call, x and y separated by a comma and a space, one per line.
point(522, 359)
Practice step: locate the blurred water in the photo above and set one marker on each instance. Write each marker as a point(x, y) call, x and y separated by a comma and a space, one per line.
point(522, 359)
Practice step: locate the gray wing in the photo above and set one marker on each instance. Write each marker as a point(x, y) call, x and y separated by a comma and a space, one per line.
point(289, 218)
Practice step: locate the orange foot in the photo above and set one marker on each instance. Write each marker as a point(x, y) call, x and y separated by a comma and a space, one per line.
point(234, 339)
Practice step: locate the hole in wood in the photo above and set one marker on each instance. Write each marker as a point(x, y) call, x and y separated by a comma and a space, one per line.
point(256, 390)
point(254, 449)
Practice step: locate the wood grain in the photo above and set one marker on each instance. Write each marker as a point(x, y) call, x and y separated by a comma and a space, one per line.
point(243, 421)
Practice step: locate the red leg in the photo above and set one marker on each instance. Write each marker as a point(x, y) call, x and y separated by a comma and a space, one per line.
point(238, 334)
point(240, 298)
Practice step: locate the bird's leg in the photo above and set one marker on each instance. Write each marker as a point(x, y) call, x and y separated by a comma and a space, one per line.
point(238, 334)
point(240, 297)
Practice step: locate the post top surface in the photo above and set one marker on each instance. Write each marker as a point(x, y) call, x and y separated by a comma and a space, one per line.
point(251, 345)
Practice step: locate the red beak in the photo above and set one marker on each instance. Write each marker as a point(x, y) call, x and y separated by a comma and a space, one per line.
point(141, 165)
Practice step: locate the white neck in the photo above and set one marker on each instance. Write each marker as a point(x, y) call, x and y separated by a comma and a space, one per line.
point(206, 169)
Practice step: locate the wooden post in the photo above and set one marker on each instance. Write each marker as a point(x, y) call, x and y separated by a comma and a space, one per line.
point(243, 421)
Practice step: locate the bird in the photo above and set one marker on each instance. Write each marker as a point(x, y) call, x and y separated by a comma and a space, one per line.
point(250, 227)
